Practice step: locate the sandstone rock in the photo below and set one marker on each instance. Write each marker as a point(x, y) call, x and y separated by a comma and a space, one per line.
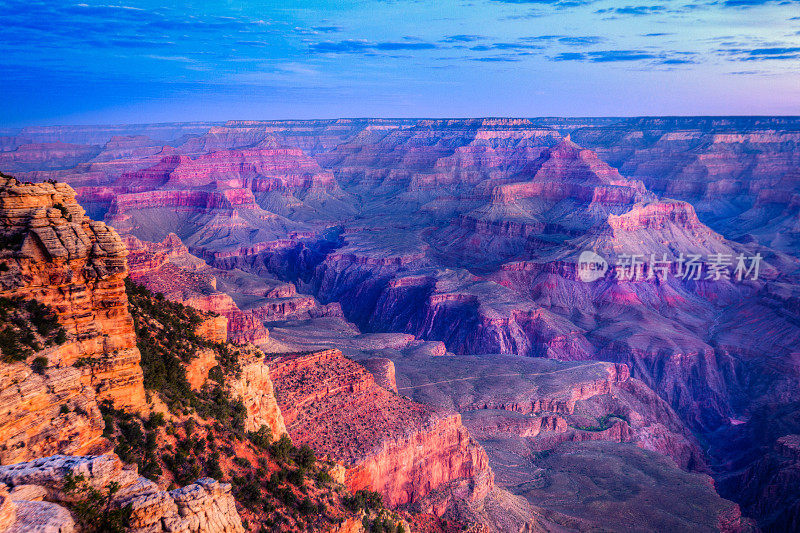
point(41, 517)
point(255, 388)
point(197, 369)
point(33, 493)
point(383, 372)
point(8, 510)
point(32, 421)
point(76, 266)
point(388, 444)
point(205, 506)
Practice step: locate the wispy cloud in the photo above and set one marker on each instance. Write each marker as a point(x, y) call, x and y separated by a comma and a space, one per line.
point(756, 3)
point(605, 56)
point(353, 46)
point(770, 53)
point(463, 38)
point(632, 10)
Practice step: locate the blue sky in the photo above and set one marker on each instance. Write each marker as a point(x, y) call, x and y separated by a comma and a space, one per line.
point(142, 61)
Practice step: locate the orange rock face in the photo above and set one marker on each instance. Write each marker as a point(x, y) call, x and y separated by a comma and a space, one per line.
point(414, 465)
point(388, 444)
point(254, 387)
point(197, 369)
point(76, 266)
point(32, 423)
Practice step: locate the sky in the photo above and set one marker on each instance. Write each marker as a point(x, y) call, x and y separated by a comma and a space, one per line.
point(140, 61)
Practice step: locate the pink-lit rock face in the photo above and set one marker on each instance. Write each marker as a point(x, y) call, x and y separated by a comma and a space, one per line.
point(46, 156)
point(387, 443)
point(555, 430)
point(709, 162)
point(462, 236)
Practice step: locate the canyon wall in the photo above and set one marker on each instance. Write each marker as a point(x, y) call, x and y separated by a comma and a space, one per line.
point(77, 267)
point(387, 443)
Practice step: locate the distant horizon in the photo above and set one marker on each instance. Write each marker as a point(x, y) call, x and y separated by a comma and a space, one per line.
point(4, 128)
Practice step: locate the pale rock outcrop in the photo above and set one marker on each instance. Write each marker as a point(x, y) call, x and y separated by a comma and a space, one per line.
point(254, 387)
point(205, 506)
point(383, 371)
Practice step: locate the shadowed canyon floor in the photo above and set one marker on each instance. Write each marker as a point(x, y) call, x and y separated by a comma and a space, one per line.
point(412, 245)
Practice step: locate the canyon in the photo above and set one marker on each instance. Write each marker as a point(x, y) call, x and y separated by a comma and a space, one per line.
point(414, 286)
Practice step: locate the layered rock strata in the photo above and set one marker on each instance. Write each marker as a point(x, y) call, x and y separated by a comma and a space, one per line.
point(387, 443)
point(76, 266)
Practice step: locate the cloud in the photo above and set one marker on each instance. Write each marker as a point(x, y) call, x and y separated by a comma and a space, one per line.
point(756, 3)
point(353, 46)
point(677, 61)
point(464, 38)
point(636, 11)
point(605, 56)
point(776, 53)
point(554, 3)
point(580, 41)
point(506, 46)
point(549, 4)
point(496, 59)
point(570, 56)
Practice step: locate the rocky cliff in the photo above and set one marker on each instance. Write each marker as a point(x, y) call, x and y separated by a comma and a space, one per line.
point(388, 444)
point(62, 259)
point(69, 346)
point(48, 486)
point(55, 256)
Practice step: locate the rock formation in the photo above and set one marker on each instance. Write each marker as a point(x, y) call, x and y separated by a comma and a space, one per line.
point(388, 444)
point(255, 388)
point(77, 266)
point(56, 256)
point(204, 506)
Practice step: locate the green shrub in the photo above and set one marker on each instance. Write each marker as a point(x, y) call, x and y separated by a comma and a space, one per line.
point(324, 477)
point(242, 462)
point(93, 509)
point(23, 327)
point(305, 457)
point(282, 449)
point(261, 438)
point(364, 500)
point(39, 364)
